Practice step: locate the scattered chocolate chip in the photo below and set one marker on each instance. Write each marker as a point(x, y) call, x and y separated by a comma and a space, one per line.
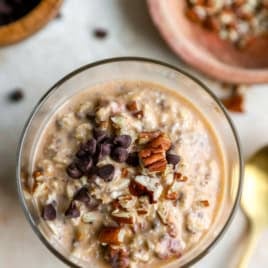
point(172, 159)
point(82, 195)
point(123, 141)
point(133, 159)
point(99, 135)
point(104, 149)
point(16, 95)
point(100, 33)
point(72, 211)
point(73, 171)
point(120, 154)
point(106, 172)
point(49, 212)
point(85, 165)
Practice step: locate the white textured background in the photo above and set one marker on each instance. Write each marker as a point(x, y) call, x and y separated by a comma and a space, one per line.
point(64, 45)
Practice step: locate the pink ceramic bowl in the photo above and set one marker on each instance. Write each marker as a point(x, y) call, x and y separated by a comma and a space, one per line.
point(204, 50)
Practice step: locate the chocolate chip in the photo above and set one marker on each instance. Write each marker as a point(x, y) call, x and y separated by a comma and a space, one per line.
point(123, 141)
point(120, 154)
point(73, 171)
point(16, 95)
point(99, 135)
point(103, 150)
point(90, 146)
point(106, 172)
point(172, 159)
point(49, 212)
point(93, 203)
point(85, 165)
point(133, 159)
point(100, 33)
point(82, 195)
point(72, 211)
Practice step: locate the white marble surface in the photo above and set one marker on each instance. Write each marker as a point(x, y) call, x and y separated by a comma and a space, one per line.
point(62, 46)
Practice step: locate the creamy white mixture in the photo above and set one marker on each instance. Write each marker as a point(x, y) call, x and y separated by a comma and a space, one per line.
point(144, 213)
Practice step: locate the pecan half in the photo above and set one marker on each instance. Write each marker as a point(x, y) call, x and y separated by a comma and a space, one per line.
point(161, 141)
point(111, 235)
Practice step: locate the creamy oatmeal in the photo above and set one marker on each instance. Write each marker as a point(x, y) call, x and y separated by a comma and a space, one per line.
point(127, 174)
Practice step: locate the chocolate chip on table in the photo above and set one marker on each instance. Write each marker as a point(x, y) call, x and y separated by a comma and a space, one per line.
point(106, 172)
point(72, 211)
point(16, 95)
point(123, 141)
point(133, 159)
point(73, 171)
point(49, 212)
point(119, 154)
point(100, 33)
point(85, 165)
point(99, 135)
point(172, 159)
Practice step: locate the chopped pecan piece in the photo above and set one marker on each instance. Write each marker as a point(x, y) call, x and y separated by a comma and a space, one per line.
point(162, 142)
point(132, 106)
point(158, 166)
point(123, 217)
point(117, 257)
point(111, 235)
point(178, 177)
point(146, 136)
point(204, 203)
point(145, 186)
point(37, 173)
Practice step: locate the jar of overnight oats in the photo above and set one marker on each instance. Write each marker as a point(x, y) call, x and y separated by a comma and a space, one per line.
point(129, 162)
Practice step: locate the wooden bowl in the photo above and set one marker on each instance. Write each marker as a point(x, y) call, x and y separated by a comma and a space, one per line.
point(205, 51)
point(30, 23)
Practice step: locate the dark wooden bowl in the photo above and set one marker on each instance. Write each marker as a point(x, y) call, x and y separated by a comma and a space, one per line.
point(205, 51)
point(31, 23)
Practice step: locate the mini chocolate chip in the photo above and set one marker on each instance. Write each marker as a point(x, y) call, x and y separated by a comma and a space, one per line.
point(106, 172)
point(123, 141)
point(82, 195)
point(85, 164)
point(81, 154)
point(133, 159)
point(100, 33)
point(15, 95)
point(120, 154)
point(72, 211)
point(103, 150)
point(49, 212)
point(99, 135)
point(172, 159)
point(73, 171)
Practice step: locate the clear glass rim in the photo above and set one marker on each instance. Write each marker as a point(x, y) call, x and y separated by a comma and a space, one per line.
point(114, 60)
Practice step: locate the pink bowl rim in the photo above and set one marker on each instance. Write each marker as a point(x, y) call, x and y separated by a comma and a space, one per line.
point(188, 52)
